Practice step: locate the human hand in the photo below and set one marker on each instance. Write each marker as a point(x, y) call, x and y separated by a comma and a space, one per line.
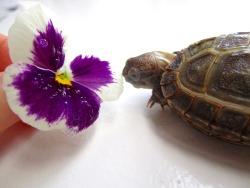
point(7, 117)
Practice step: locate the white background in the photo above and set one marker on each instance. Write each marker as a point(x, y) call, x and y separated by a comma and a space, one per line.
point(130, 145)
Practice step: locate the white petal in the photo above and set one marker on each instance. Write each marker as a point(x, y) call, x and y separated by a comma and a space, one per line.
point(27, 4)
point(43, 104)
point(34, 17)
point(12, 95)
point(14, 102)
point(112, 91)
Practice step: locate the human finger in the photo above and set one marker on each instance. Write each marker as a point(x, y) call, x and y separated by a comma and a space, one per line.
point(7, 117)
point(4, 53)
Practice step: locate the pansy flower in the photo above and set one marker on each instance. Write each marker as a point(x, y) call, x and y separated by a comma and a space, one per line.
point(43, 86)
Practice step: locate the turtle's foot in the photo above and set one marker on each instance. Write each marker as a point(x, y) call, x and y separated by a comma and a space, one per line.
point(152, 101)
point(157, 97)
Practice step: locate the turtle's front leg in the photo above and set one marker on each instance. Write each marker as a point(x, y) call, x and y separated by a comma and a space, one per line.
point(157, 97)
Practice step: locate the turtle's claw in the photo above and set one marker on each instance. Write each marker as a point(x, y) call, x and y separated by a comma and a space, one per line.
point(157, 97)
point(151, 102)
point(153, 99)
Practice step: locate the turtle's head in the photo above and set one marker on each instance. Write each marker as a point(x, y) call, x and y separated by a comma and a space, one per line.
point(145, 71)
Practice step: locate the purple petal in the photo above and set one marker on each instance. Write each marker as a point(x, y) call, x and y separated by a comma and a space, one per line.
point(48, 100)
point(91, 72)
point(48, 49)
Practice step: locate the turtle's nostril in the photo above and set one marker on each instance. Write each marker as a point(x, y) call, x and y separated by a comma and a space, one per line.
point(134, 75)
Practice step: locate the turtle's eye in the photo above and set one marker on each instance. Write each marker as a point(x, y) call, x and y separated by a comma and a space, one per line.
point(134, 74)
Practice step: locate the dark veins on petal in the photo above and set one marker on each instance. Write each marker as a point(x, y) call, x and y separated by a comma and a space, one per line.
point(91, 72)
point(51, 101)
point(48, 49)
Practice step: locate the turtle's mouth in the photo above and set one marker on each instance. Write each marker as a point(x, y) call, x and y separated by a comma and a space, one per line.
point(141, 85)
point(138, 84)
point(138, 79)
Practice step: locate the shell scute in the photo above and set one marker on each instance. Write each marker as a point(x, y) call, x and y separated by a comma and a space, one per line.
point(229, 124)
point(230, 78)
point(168, 78)
point(198, 47)
point(246, 134)
point(169, 90)
point(234, 40)
point(202, 111)
point(168, 84)
point(193, 73)
point(177, 62)
point(201, 114)
point(181, 102)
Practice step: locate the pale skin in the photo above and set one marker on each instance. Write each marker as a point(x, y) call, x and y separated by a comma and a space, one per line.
point(7, 117)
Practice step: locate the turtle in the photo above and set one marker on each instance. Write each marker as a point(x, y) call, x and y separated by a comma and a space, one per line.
point(207, 84)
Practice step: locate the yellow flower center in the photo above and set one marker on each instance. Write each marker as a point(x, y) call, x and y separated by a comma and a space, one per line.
point(63, 79)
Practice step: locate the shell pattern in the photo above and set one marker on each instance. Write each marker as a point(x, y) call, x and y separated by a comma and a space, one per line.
point(208, 85)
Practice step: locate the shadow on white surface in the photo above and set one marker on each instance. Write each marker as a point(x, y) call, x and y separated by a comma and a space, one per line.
point(34, 149)
point(14, 136)
point(167, 125)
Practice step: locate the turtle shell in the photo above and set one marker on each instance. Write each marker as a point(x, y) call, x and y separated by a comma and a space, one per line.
point(208, 85)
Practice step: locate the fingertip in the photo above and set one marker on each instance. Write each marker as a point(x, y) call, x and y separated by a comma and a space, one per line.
point(4, 53)
point(7, 117)
point(3, 37)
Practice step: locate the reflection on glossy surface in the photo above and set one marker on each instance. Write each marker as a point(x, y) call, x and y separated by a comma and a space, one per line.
point(173, 176)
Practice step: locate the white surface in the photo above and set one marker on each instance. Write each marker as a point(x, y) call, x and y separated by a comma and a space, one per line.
point(6, 6)
point(130, 146)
